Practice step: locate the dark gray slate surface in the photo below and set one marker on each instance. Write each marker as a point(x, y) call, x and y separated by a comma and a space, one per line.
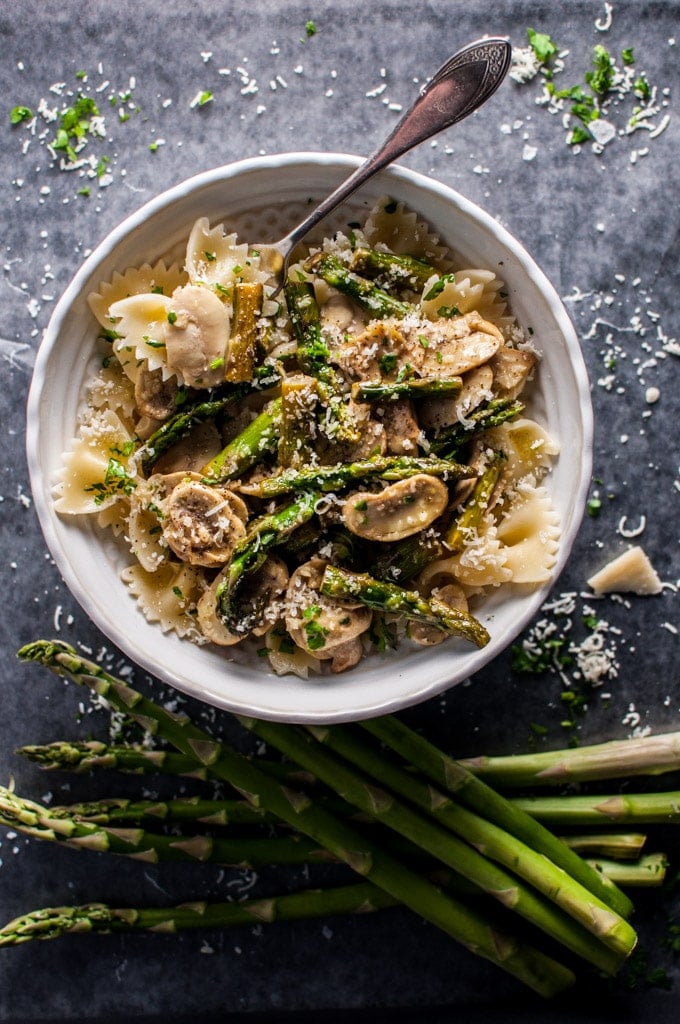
point(605, 229)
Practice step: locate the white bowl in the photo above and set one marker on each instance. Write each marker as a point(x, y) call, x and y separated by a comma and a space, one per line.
point(262, 198)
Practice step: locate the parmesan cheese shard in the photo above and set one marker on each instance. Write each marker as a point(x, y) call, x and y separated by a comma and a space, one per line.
point(631, 572)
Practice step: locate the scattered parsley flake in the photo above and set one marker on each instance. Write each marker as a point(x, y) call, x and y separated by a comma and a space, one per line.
point(19, 114)
point(543, 46)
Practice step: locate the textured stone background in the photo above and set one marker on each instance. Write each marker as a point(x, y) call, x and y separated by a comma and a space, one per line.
point(605, 229)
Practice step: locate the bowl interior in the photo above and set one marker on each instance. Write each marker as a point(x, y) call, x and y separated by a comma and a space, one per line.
point(261, 199)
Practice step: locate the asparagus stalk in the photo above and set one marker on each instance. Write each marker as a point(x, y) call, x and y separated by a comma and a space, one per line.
point(337, 477)
point(392, 271)
point(540, 972)
point(63, 755)
point(617, 808)
point(299, 400)
point(406, 558)
point(483, 835)
point(263, 534)
point(615, 759)
point(178, 811)
point(649, 870)
point(38, 822)
point(457, 536)
point(451, 441)
point(612, 845)
point(248, 447)
point(313, 356)
point(81, 757)
point(377, 302)
point(384, 596)
point(53, 922)
point(413, 387)
point(242, 345)
point(183, 422)
point(476, 794)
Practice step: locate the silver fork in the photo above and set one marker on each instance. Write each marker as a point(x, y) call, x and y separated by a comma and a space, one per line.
point(460, 86)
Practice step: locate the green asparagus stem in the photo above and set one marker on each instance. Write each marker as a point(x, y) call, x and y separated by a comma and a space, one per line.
point(406, 558)
point(615, 759)
point(313, 356)
point(451, 441)
point(83, 757)
point(617, 808)
point(612, 845)
point(384, 596)
point(242, 346)
point(179, 811)
point(534, 968)
point(184, 421)
point(470, 517)
point(392, 272)
point(649, 870)
point(476, 794)
point(377, 302)
point(299, 401)
point(337, 477)
point(91, 918)
point(247, 448)
point(263, 534)
point(413, 387)
point(38, 822)
point(360, 788)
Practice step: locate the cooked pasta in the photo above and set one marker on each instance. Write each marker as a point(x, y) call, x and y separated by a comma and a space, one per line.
point(350, 469)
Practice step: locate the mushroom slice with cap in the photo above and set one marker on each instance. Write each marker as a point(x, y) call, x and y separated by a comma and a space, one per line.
point(435, 413)
point(259, 591)
point(154, 396)
point(203, 524)
point(398, 511)
point(318, 624)
point(511, 368)
point(426, 635)
point(196, 336)
point(456, 345)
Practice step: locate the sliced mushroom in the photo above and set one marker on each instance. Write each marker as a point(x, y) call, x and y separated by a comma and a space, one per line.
point(203, 524)
point(428, 636)
point(398, 511)
point(155, 397)
point(260, 591)
point(456, 345)
point(319, 624)
point(196, 336)
point(437, 413)
point(402, 429)
point(347, 655)
point(511, 368)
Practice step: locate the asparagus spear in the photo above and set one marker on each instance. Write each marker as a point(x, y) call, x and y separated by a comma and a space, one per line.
point(470, 516)
point(412, 387)
point(476, 794)
point(53, 922)
point(451, 441)
point(362, 790)
point(405, 559)
point(384, 596)
point(313, 358)
point(242, 345)
point(392, 271)
point(613, 845)
point(263, 534)
point(184, 421)
point(537, 970)
point(617, 808)
point(299, 401)
point(377, 302)
point(82, 757)
point(615, 759)
point(37, 821)
point(337, 477)
point(114, 810)
point(649, 870)
point(248, 447)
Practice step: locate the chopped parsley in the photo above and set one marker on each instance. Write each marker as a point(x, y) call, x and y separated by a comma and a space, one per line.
point(75, 124)
point(19, 114)
point(315, 633)
point(387, 363)
point(447, 312)
point(438, 287)
point(543, 46)
point(310, 29)
point(117, 481)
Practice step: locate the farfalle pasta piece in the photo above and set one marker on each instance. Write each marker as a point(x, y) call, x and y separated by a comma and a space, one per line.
point(112, 389)
point(140, 323)
point(158, 278)
point(529, 450)
point(168, 596)
point(529, 532)
point(391, 224)
point(98, 469)
point(217, 259)
point(464, 291)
